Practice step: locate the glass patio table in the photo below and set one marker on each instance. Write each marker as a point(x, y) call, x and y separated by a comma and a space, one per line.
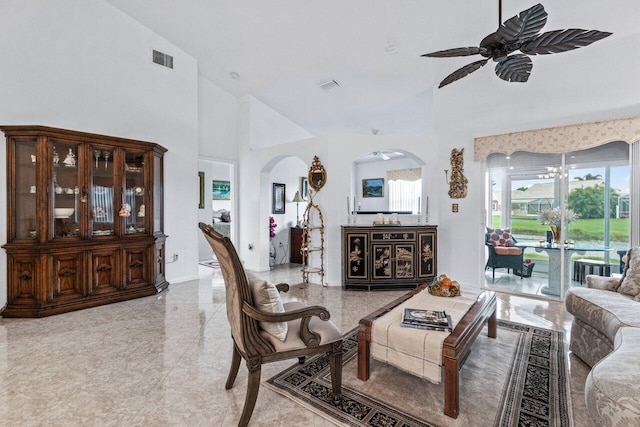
point(554, 252)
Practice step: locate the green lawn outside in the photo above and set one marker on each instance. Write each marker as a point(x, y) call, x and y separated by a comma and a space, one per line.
point(581, 229)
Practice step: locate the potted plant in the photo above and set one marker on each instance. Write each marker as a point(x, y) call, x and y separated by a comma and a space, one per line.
point(272, 248)
point(527, 268)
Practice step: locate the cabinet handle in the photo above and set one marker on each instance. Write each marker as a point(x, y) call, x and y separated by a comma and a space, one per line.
point(25, 275)
point(104, 268)
point(66, 273)
point(136, 264)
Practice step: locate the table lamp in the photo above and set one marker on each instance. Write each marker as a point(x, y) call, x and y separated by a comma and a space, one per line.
point(297, 199)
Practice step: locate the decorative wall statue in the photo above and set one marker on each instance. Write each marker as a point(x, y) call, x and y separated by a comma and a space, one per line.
point(458, 182)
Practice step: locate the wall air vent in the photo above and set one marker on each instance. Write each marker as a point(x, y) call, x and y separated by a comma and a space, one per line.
point(163, 59)
point(329, 84)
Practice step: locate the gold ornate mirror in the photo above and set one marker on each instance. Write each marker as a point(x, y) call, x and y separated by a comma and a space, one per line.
point(317, 174)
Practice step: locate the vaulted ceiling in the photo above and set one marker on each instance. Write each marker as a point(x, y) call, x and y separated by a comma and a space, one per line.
point(283, 49)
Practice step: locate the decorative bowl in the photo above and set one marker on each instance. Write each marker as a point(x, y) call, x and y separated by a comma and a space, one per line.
point(63, 212)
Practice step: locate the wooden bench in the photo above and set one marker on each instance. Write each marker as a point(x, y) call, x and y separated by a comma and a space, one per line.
point(454, 351)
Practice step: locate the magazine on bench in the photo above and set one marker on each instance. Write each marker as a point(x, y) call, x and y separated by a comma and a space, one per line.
point(434, 320)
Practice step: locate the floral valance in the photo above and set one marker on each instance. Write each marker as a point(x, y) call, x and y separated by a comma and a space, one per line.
point(560, 139)
point(404, 174)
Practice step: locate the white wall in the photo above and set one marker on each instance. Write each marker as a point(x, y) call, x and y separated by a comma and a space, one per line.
point(84, 65)
point(267, 127)
point(217, 122)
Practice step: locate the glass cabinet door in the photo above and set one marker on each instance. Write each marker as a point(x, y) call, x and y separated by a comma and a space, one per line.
point(25, 190)
point(133, 210)
point(65, 190)
point(102, 191)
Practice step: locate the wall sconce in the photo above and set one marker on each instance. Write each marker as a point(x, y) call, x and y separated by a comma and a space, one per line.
point(297, 199)
point(446, 176)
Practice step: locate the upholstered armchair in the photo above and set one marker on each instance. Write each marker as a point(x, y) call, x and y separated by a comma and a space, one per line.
point(502, 251)
point(265, 330)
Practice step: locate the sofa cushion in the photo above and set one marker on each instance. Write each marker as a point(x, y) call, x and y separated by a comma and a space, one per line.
point(611, 389)
point(499, 236)
point(601, 282)
point(630, 284)
point(267, 298)
point(604, 311)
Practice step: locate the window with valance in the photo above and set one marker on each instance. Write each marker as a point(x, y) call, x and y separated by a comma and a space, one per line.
point(405, 187)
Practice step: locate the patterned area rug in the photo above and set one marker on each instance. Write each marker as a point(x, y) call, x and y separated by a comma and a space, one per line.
point(212, 264)
point(518, 379)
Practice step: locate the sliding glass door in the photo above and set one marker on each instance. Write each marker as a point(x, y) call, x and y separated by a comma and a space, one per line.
point(566, 211)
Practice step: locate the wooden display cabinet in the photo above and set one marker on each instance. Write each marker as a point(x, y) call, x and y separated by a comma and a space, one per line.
point(388, 257)
point(84, 220)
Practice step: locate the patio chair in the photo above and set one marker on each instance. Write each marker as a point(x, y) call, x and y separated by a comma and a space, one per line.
point(509, 257)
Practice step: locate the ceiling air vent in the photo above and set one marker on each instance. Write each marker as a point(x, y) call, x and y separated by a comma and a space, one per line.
point(163, 59)
point(329, 84)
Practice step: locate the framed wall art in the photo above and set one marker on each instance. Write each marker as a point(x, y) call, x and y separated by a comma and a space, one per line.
point(221, 190)
point(304, 187)
point(278, 205)
point(201, 179)
point(373, 187)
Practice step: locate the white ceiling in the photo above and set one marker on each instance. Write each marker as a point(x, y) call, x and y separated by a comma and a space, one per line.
point(282, 50)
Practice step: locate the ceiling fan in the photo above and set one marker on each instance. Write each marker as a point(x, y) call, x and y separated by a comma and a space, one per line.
point(518, 33)
point(381, 155)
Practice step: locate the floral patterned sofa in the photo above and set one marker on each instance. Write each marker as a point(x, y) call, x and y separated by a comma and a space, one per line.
point(605, 334)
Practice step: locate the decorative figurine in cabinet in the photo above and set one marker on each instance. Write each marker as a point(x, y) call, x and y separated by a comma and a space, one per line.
point(85, 220)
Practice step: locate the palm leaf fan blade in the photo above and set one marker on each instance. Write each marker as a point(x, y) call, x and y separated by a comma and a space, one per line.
point(463, 72)
point(516, 68)
point(562, 41)
point(459, 51)
point(525, 25)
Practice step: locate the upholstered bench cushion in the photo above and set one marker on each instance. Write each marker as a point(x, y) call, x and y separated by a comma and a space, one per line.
point(611, 389)
point(417, 351)
point(327, 330)
point(602, 310)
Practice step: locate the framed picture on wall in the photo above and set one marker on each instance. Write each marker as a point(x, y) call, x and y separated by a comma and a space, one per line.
point(373, 187)
point(201, 179)
point(304, 187)
point(278, 198)
point(221, 190)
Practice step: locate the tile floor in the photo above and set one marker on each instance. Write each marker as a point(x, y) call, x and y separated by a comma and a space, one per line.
point(163, 360)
